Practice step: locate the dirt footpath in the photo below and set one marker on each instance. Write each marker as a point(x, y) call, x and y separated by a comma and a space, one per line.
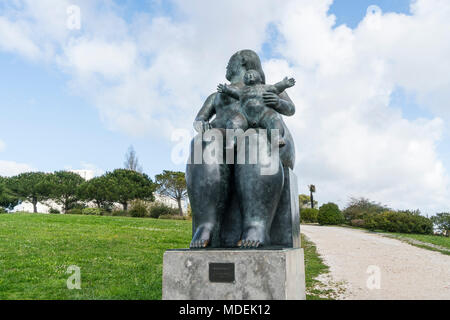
point(370, 266)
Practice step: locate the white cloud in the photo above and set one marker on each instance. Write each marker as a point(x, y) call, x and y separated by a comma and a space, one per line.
point(351, 141)
point(152, 75)
point(11, 168)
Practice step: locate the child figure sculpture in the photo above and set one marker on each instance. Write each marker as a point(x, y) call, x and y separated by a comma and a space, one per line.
point(255, 114)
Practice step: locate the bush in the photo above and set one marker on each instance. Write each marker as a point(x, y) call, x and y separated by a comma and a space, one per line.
point(92, 211)
point(139, 209)
point(360, 208)
point(402, 222)
point(329, 214)
point(54, 211)
point(160, 209)
point(173, 217)
point(360, 223)
point(75, 211)
point(119, 213)
point(3, 210)
point(309, 215)
point(442, 223)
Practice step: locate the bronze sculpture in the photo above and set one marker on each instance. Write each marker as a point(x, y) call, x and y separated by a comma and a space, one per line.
point(233, 204)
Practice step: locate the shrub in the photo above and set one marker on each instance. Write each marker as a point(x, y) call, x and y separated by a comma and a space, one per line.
point(3, 210)
point(359, 208)
point(92, 211)
point(173, 217)
point(397, 221)
point(119, 213)
point(442, 223)
point(54, 211)
point(309, 215)
point(160, 209)
point(75, 211)
point(329, 214)
point(139, 209)
point(360, 223)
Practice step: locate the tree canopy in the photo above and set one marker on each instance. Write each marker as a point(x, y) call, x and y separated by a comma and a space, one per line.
point(31, 186)
point(98, 191)
point(442, 222)
point(358, 208)
point(127, 185)
point(64, 188)
point(172, 184)
point(7, 199)
point(305, 201)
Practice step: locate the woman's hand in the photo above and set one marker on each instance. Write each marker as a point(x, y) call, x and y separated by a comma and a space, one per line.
point(201, 126)
point(271, 99)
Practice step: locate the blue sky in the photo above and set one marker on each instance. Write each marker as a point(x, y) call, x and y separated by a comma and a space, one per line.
point(50, 124)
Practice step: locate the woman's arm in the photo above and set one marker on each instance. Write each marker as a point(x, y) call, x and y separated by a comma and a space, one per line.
point(205, 113)
point(281, 104)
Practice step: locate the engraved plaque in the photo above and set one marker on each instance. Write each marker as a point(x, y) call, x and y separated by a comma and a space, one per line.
point(221, 272)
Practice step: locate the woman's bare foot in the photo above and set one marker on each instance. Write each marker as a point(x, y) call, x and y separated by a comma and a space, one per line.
point(253, 237)
point(202, 238)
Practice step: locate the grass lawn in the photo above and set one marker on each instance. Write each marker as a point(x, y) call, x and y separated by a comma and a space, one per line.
point(119, 257)
point(432, 242)
point(314, 267)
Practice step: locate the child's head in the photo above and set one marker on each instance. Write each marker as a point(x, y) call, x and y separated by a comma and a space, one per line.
point(252, 77)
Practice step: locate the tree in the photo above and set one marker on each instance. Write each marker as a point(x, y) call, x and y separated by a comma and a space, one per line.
point(97, 190)
point(31, 186)
point(359, 208)
point(127, 185)
point(305, 201)
point(7, 199)
point(65, 186)
point(442, 222)
point(132, 161)
point(172, 184)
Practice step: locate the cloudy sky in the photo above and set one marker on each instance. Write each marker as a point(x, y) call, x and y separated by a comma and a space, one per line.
point(372, 93)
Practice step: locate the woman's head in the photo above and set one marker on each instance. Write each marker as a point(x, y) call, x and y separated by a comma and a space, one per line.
point(243, 61)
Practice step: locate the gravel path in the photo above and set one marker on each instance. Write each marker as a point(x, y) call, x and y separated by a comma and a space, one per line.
point(371, 266)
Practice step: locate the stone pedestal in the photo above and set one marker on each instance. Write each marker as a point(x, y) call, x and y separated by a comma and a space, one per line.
point(228, 274)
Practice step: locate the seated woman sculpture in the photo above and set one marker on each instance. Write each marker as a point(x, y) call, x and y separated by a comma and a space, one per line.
point(233, 204)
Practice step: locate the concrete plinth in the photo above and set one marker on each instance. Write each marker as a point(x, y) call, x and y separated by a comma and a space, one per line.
point(277, 274)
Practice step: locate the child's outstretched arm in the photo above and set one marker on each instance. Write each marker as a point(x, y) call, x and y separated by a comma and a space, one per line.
point(284, 84)
point(230, 91)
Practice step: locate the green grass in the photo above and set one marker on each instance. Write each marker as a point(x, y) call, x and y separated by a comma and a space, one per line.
point(314, 266)
point(119, 257)
point(430, 242)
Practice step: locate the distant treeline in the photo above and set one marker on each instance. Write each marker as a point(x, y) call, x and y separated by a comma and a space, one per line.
point(70, 190)
point(367, 214)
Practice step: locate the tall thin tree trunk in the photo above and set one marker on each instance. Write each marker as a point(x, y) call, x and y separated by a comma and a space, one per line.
point(125, 206)
point(179, 206)
point(34, 205)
